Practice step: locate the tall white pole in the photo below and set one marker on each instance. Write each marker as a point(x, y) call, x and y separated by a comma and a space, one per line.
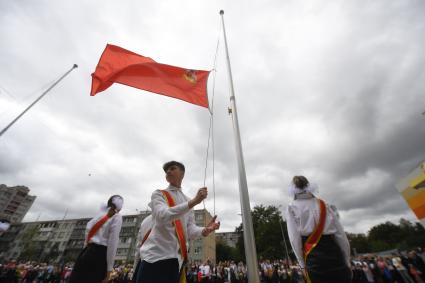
point(248, 230)
point(40, 97)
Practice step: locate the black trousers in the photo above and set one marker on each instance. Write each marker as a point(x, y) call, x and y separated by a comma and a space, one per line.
point(136, 271)
point(90, 266)
point(326, 263)
point(162, 271)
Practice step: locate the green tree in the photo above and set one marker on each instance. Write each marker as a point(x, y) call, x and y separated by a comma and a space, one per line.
point(240, 245)
point(267, 231)
point(30, 249)
point(359, 243)
point(225, 252)
point(414, 234)
point(386, 235)
point(53, 253)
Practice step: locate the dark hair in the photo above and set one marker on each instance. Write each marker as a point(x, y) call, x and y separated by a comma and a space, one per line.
point(300, 182)
point(110, 204)
point(172, 163)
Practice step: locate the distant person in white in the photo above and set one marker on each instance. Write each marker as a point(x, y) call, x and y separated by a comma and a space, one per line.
point(206, 271)
point(4, 226)
point(96, 261)
point(145, 228)
point(160, 252)
point(329, 260)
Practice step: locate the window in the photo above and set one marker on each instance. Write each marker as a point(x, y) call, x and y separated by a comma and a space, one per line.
point(199, 217)
point(126, 230)
point(122, 251)
point(21, 194)
point(125, 240)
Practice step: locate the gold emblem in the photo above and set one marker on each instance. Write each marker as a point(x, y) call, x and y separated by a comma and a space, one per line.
point(190, 75)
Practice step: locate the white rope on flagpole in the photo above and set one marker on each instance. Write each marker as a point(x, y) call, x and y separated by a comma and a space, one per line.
point(211, 126)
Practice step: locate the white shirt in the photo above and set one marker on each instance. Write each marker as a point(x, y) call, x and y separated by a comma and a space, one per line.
point(205, 269)
point(107, 235)
point(397, 263)
point(145, 226)
point(302, 216)
point(162, 242)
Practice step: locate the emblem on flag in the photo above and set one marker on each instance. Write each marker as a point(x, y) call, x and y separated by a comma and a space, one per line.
point(190, 75)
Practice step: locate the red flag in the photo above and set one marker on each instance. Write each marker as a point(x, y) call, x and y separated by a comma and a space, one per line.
point(117, 65)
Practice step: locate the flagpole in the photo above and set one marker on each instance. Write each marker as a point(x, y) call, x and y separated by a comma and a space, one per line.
point(40, 97)
point(248, 230)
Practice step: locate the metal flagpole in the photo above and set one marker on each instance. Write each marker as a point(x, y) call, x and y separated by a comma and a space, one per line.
point(248, 230)
point(40, 97)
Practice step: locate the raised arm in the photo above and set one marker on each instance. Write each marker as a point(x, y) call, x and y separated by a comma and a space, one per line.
point(114, 233)
point(341, 237)
point(163, 213)
point(294, 236)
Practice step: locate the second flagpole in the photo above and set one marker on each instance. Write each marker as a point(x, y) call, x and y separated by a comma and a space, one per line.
point(38, 99)
point(248, 230)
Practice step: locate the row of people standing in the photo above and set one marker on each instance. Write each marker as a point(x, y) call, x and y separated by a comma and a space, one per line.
point(163, 253)
point(231, 272)
point(315, 233)
point(390, 269)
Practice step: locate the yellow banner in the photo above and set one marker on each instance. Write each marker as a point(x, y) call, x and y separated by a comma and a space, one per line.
point(412, 189)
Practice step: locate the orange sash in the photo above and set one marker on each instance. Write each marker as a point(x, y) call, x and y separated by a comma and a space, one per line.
point(145, 237)
point(178, 225)
point(314, 238)
point(180, 236)
point(96, 227)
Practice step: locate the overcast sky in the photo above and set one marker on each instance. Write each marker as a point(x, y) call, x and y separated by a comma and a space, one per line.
point(333, 90)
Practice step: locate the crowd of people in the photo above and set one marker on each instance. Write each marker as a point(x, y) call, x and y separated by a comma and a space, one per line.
point(396, 268)
point(233, 272)
point(33, 272)
point(406, 267)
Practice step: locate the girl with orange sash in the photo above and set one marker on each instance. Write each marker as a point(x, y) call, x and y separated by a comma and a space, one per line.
point(316, 235)
point(96, 260)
